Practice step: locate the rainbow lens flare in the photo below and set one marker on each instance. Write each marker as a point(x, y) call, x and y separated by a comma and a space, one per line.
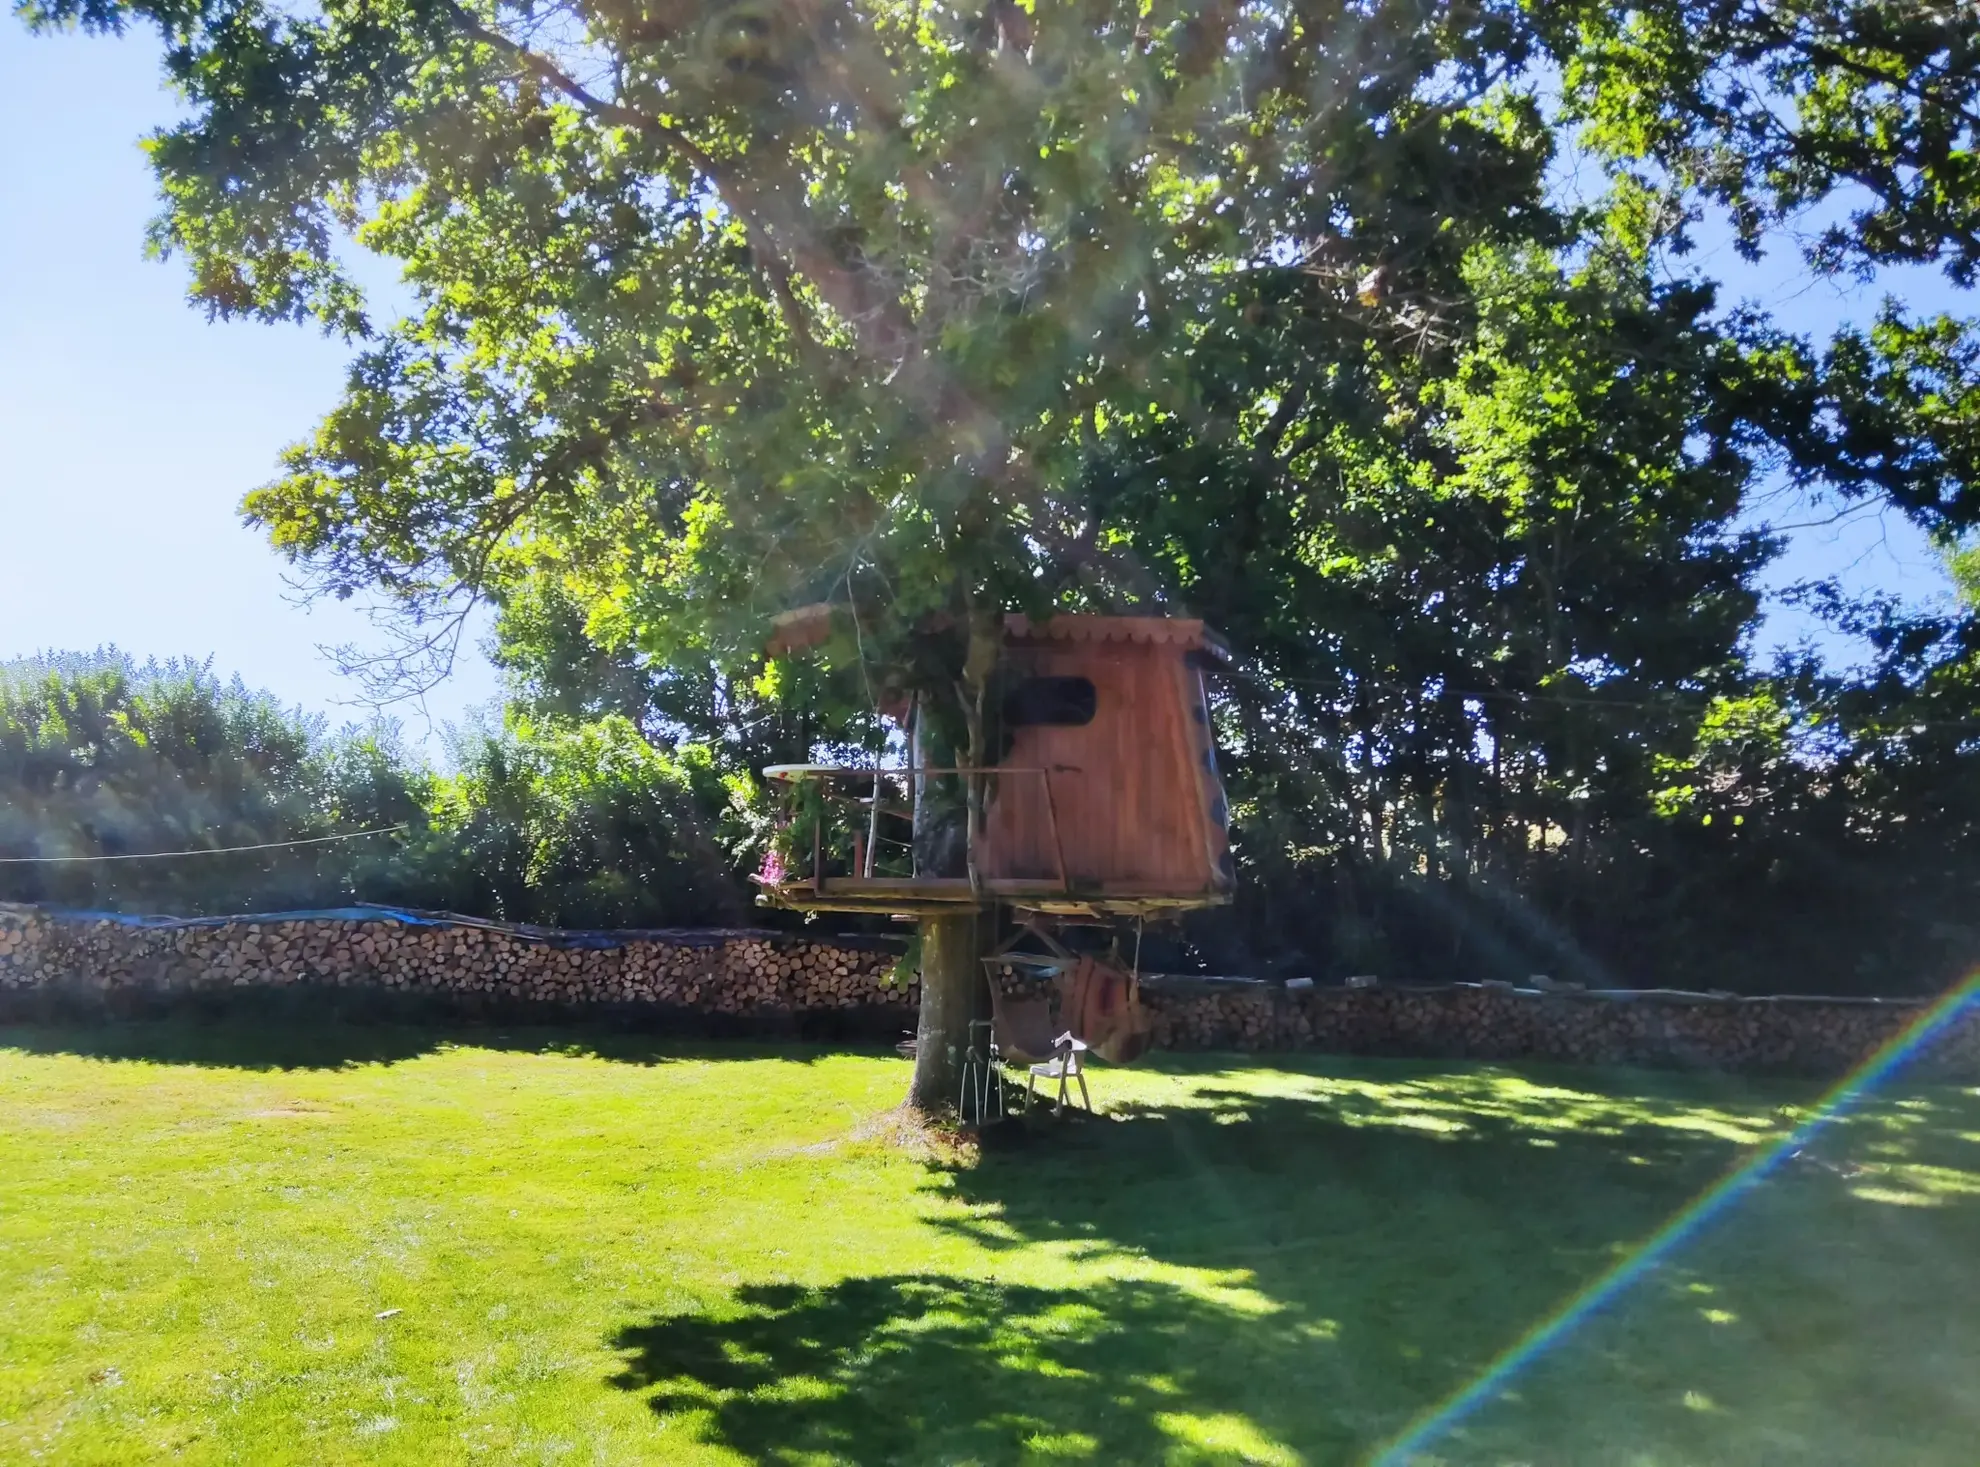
point(1859, 1084)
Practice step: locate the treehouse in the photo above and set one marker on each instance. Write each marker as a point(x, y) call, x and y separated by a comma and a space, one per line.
point(1103, 799)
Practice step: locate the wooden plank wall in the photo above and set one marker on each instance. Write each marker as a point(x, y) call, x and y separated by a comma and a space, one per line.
point(1131, 804)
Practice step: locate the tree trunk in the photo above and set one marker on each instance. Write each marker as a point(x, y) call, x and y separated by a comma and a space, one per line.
point(951, 977)
point(986, 642)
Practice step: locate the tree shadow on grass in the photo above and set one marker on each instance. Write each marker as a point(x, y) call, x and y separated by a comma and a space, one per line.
point(932, 1368)
point(1297, 1276)
point(304, 1029)
point(1441, 1214)
point(1272, 1278)
point(1359, 1160)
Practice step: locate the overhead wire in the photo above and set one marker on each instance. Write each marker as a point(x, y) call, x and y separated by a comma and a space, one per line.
point(272, 845)
point(1674, 702)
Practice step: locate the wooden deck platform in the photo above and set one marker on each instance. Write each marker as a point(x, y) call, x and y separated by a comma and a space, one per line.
point(935, 896)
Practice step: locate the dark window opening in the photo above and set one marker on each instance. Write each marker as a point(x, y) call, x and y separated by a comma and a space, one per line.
point(1066, 702)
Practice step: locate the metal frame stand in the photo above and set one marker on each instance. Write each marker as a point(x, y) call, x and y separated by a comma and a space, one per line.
point(982, 1069)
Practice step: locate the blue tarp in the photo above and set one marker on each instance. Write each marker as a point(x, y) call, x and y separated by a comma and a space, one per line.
point(338, 914)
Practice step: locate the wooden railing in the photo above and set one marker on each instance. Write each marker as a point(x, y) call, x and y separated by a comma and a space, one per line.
point(827, 776)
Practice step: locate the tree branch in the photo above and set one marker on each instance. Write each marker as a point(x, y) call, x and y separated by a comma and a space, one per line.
point(738, 194)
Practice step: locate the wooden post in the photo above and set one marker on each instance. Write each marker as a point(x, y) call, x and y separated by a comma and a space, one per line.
point(915, 761)
point(863, 862)
point(951, 975)
point(1058, 846)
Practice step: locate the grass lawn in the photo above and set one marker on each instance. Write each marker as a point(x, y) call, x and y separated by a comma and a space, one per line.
point(233, 1242)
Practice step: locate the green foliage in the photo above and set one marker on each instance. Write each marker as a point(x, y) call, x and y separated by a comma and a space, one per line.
point(583, 824)
point(1741, 741)
point(586, 825)
point(1769, 109)
point(836, 314)
point(100, 756)
point(1962, 562)
point(908, 966)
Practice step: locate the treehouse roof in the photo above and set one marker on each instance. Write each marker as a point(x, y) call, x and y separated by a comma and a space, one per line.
point(1186, 634)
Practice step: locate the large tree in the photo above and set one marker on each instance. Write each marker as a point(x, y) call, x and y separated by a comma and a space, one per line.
point(726, 307)
point(942, 313)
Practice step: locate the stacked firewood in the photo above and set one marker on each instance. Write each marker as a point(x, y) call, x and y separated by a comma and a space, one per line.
point(720, 972)
point(1499, 1022)
point(754, 974)
point(1244, 1018)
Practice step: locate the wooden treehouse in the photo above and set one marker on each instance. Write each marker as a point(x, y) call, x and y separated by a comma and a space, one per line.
point(1104, 801)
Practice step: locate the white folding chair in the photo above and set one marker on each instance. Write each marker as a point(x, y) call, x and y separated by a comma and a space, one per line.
point(1067, 1064)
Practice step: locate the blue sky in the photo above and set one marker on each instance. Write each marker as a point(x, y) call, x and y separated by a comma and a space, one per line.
point(130, 426)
